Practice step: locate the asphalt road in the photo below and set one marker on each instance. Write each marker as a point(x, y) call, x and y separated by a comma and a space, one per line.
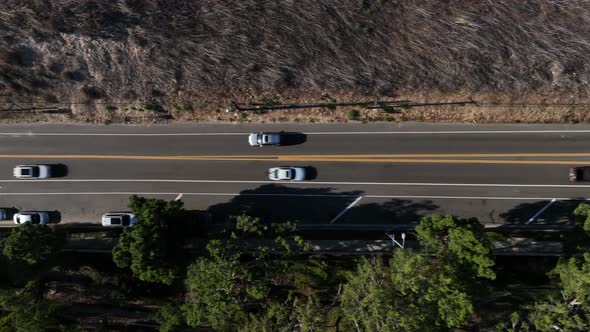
point(384, 173)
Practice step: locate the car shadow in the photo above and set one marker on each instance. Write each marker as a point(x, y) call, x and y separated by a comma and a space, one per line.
point(54, 217)
point(292, 138)
point(311, 173)
point(59, 170)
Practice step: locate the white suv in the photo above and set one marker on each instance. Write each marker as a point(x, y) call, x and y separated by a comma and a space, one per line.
point(286, 173)
point(118, 219)
point(262, 139)
point(32, 171)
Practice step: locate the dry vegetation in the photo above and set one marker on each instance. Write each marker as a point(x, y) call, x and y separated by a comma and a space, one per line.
point(207, 52)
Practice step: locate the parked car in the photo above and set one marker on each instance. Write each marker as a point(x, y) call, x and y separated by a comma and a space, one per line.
point(118, 219)
point(32, 171)
point(262, 139)
point(3, 214)
point(580, 173)
point(287, 173)
point(34, 217)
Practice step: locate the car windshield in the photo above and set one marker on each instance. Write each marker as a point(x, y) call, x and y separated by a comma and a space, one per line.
point(126, 220)
point(265, 138)
point(25, 171)
point(35, 170)
point(115, 221)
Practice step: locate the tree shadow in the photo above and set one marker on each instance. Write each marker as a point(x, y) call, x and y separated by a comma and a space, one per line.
point(59, 170)
point(557, 212)
point(195, 223)
point(278, 203)
point(394, 211)
point(292, 138)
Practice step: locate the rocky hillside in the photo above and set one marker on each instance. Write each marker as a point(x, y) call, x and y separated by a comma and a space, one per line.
point(130, 50)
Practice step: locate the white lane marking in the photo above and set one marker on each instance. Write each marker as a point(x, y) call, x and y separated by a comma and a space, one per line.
point(540, 211)
point(469, 132)
point(301, 195)
point(123, 134)
point(452, 132)
point(178, 197)
point(413, 184)
point(346, 209)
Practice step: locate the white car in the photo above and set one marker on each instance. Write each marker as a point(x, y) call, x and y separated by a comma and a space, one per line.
point(32, 171)
point(286, 173)
point(34, 217)
point(118, 219)
point(261, 139)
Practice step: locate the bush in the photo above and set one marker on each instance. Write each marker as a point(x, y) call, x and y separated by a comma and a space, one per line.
point(269, 101)
point(183, 107)
point(169, 318)
point(353, 115)
point(153, 106)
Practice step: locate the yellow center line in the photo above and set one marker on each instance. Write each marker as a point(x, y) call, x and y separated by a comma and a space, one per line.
point(447, 155)
point(367, 158)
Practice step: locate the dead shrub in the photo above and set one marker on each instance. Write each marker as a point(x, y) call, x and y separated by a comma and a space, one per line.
point(92, 92)
point(8, 57)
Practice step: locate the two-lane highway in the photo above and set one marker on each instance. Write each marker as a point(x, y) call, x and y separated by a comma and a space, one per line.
point(384, 172)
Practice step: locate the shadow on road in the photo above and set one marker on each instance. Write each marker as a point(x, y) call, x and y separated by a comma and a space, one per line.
point(292, 138)
point(557, 212)
point(277, 203)
point(394, 211)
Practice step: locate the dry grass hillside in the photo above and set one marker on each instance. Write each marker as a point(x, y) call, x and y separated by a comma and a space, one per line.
point(299, 50)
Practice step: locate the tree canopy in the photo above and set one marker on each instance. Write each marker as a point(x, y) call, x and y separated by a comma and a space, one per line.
point(460, 242)
point(153, 246)
point(582, 216)
point(29, 310)
point(430, 290)
point(246, 281)
point(32, 243)
point(410, 293)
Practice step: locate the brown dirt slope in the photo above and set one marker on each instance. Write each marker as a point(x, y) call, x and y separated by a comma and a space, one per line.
point(138, 50)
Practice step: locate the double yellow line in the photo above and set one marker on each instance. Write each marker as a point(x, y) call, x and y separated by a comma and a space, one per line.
point(444, 158)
